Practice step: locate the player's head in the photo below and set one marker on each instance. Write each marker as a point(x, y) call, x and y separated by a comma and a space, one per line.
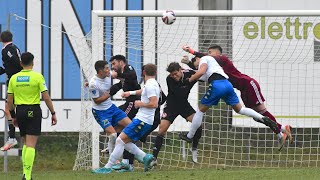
point(27, 59)
point(175, 71)
point(118, 62)
point(215, 50)
point(149, 70)
point(6, 36)
point(102, 68)
point(196, 59)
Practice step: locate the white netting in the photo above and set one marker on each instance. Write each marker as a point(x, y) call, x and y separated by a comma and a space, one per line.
point(281, 53)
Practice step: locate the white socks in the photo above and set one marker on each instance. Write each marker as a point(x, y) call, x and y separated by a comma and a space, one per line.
point(133, 149)
point(111, 143)
point(116, 154)
point(251, 113)
point(196, 123)
point(118, 151)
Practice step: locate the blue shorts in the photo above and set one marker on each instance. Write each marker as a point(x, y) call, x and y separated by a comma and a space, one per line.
point(220, 89)
point(108, 117)
point(136, 129)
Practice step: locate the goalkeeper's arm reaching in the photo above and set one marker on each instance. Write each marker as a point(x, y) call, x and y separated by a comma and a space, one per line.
point(186, 60)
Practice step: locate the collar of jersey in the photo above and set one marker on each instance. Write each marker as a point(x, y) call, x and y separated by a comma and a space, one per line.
point(6, 44)
point(26, 70)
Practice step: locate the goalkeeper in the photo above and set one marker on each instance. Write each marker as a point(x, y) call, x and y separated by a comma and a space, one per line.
point(249, 88)
point(177, 104)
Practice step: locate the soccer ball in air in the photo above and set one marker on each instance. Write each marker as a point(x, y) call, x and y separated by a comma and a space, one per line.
point(168, 17)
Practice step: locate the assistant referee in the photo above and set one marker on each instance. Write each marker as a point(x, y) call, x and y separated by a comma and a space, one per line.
point(25, 88)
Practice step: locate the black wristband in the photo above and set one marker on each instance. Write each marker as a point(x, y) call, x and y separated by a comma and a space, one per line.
point(13, 114)
point(53, 113)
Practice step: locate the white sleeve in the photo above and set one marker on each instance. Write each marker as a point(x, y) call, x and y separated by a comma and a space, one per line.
point(203, 60)
point(94, 92)
point(151, 91)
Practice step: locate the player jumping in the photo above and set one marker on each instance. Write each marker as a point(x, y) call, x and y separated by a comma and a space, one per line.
point(250, 90)
point(177, 104)
point(219, 88)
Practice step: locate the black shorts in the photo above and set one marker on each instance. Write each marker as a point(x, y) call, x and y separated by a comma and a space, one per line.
point(129, 109)
point(29, 118)
point(170, 112)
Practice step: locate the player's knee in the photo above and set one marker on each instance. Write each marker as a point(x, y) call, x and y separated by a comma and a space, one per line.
point(203, 108)
point(112, 136)
point(237, 108)
point(119, 141)
point(161, 131)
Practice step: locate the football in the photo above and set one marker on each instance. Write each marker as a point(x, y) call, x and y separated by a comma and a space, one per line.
point(168, 17)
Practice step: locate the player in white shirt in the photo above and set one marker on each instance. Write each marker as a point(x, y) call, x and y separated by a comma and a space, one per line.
point(108, 116)
point(140, 125)
point(219, 88)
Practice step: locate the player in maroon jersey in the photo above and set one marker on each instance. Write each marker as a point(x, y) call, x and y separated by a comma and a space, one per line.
point(250, 90)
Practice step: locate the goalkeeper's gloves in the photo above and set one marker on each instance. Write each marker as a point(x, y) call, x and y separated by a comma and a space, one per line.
point(188, 49)
point(185, 60)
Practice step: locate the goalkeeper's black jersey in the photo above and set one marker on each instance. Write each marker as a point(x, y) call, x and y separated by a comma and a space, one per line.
point(11, 60)
point(128, 82)
point(178, 92)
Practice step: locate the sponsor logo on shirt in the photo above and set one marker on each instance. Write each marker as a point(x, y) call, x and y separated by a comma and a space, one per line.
point(9, 54)
point(23, 78)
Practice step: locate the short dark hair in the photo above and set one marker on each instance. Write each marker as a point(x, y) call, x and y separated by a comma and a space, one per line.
point(198, 55)
point(27, 58)
point(6, 36)
point(216, 47)
point(99, 65)
point(150, 69)
point(174, 66)
point(118, 57)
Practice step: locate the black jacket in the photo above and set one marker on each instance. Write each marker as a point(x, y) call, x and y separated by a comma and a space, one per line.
point(11, 60)
point(129, 83)
point(178, 92)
